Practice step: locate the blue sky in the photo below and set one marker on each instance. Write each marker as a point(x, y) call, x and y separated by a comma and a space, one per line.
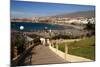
point(21, 9)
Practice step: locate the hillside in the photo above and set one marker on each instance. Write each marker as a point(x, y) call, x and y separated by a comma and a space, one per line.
point(86, 14)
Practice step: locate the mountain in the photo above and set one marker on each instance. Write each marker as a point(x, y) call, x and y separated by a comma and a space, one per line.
point(86, 14)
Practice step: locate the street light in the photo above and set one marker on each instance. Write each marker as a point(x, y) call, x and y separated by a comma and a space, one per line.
point(21, 27)
point(22, 35)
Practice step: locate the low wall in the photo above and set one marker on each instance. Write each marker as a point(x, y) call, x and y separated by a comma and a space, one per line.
point(58, 52)
point(68, 57)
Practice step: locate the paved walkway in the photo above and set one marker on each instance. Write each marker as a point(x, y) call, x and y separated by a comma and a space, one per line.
point(43, 55)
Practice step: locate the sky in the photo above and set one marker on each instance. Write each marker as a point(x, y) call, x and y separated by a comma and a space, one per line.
point(22, 9)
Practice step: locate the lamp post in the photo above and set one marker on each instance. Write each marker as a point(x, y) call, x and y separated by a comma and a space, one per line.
point(48, 36)
point(21, 29)
point(21, 35)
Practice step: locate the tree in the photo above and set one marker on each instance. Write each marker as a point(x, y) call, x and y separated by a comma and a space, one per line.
point(91, 28)
point(20, 41)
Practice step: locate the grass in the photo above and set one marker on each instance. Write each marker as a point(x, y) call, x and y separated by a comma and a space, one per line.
point(84, 48)
point(83, 52)
point(61, 47)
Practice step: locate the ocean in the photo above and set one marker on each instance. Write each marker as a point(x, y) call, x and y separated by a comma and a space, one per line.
point(29, 26)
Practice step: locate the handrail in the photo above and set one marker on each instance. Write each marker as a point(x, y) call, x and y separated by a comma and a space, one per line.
point(16, 60)
point(59, 52)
